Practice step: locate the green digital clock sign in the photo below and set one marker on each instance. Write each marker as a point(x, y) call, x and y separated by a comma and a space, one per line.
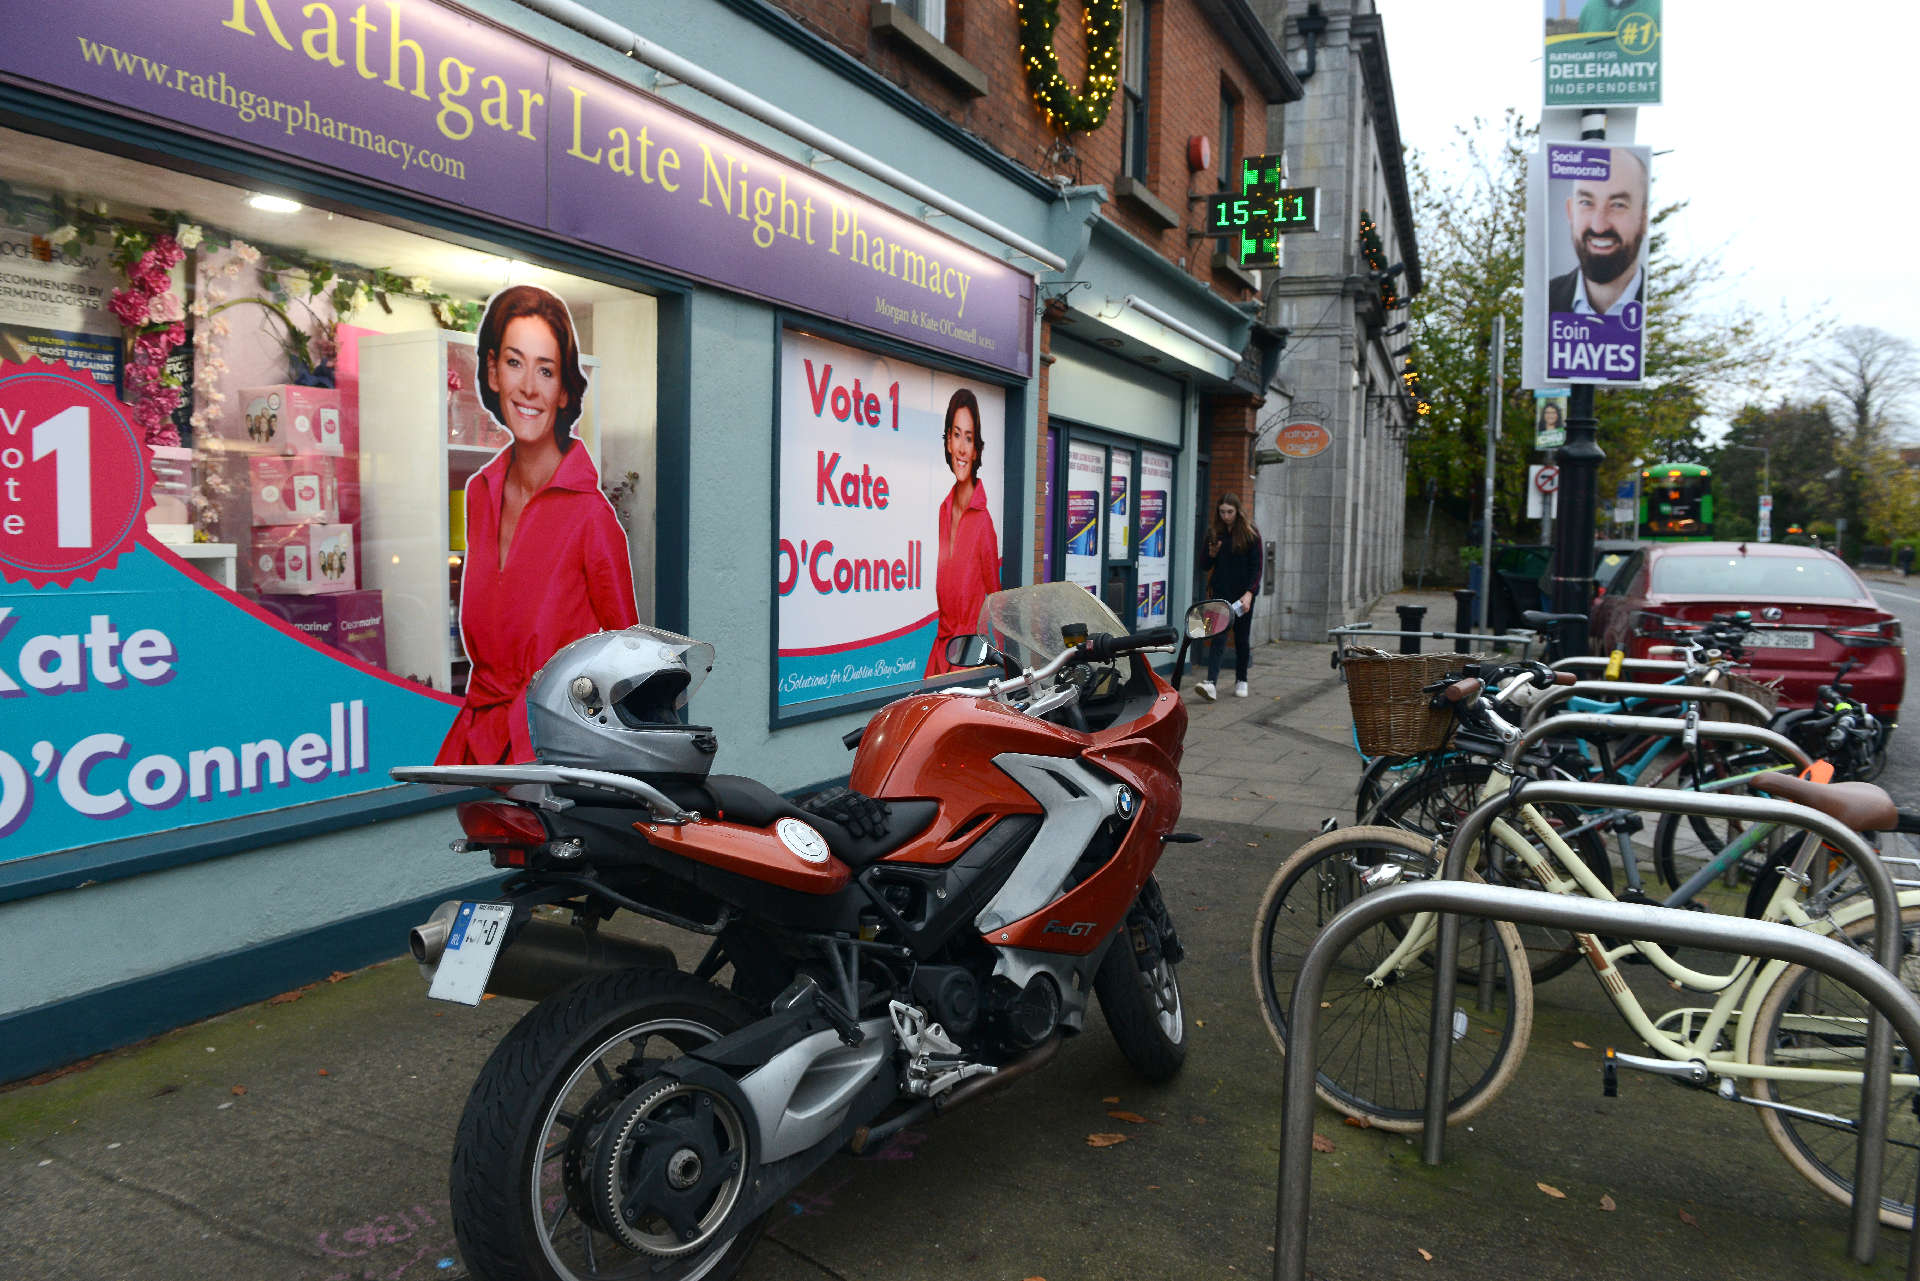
point(1253, 221)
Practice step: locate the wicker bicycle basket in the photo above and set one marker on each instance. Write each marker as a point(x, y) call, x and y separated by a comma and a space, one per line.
point(1391, 714)
point(1765, 695)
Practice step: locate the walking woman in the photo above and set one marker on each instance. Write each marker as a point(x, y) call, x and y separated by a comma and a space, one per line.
point(1233, 563)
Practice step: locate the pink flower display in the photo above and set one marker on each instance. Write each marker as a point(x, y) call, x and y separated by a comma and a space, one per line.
point(166, 309)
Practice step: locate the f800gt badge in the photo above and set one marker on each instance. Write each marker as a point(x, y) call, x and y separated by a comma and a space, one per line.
point(1076, 930)
point(805, 843)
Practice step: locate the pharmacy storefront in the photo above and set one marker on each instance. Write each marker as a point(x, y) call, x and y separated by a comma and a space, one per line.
point(253, 433)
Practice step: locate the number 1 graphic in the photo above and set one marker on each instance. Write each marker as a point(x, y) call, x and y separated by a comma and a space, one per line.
point(67, 437)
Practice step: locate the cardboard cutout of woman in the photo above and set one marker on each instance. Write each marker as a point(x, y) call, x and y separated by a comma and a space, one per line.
point(968, 569)
point(546, 557)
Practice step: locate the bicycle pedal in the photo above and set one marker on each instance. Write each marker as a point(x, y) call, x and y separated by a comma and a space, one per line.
point(1609, 1077)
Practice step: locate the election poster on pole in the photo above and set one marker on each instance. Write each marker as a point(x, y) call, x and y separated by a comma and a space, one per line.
point(1602, 53)
point(1586, 265)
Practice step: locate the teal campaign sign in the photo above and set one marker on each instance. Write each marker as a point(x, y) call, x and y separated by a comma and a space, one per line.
point(1603, 53)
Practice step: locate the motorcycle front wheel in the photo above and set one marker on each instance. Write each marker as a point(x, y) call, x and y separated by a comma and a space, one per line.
point(539, 1111)
point(1139, 989)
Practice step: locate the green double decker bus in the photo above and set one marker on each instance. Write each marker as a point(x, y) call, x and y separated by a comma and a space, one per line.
point(1676, 501)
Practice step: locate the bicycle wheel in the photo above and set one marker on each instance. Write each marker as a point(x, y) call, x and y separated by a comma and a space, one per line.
point(1678, 850)
point(1382, 775)
point(1436, 800)
point(1373, 1032)
point(1808, 1020)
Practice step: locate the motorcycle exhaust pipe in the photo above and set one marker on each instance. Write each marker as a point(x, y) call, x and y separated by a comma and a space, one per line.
point(543, 957)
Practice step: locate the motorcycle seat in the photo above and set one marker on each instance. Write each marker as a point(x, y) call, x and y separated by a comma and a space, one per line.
point(858, 829)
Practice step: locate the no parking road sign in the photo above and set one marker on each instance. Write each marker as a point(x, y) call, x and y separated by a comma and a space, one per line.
point(1543, 482)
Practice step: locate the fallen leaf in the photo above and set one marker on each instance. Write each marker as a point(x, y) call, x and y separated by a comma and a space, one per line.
point(1321, 1143)
point(1360, 1123)
point(1326, 1005)
point(1581, 1045)
point(1133, 1117)
point(486, 996)
point(1105, 1140)
point(1551, 1191)
point(336, 976)
point(1606, 1203)
point(1689, 1220)
point(1425, 1255)
point(285, 997)
point(1199, 1022)
point(1036, 1279)
point(1253, 845)
point(1200, 907)
point(1196, 1119)
point(239, 1089)
point(1153, 1187)
point(323, 1072)
point(1111, 1098)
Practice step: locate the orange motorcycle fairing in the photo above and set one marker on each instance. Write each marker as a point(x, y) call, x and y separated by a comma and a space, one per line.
point(754, 852)
point(1104, 897)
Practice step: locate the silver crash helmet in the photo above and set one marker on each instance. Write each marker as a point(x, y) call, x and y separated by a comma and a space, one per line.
point(617, 701)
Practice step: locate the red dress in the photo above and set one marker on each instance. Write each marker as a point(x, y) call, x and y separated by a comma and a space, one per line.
point(567, 575)
point(968, 572)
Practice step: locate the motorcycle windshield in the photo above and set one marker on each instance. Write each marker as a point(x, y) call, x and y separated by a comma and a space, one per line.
point(1024, 623)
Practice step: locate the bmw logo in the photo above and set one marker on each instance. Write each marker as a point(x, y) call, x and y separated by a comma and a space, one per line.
point(1123, 802)
point(1773, 613)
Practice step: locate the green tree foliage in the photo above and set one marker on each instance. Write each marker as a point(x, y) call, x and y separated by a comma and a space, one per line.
point(1797, 438)
point(1470, 208)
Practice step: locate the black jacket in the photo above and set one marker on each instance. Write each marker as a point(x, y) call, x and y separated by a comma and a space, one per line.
point(1231, 572)
point(1560, 291)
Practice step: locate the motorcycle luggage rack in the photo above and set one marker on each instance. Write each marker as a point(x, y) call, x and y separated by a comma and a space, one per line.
point(662, 808)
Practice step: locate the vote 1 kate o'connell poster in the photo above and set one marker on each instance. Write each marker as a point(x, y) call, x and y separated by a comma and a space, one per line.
point(884, 465)
point(136, 694)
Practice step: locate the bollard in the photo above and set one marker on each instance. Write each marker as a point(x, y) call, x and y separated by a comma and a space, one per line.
point(1463, 600)
point(1410, 616)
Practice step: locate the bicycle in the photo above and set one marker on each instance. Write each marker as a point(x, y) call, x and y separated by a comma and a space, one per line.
point(1792, 1037)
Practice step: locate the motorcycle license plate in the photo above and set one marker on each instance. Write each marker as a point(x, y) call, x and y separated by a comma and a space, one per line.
point(1779, 640)
point(472, 947)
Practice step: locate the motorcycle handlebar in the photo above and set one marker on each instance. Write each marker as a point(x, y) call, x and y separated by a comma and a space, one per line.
point(1103, 648)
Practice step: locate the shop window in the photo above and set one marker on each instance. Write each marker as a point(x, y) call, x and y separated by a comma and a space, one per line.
point(303, 559)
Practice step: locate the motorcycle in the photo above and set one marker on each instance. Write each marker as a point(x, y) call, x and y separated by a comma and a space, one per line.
point(892, 949)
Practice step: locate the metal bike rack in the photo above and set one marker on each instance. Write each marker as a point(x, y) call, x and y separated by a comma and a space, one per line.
point(1671, 926)
point(1581, 662)
point(1527, 642)
point(1616, 723)
point(1875, 1083)
point(1538, 709)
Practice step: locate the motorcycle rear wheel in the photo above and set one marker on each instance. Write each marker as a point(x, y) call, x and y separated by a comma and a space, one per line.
point(538, 1108)
point(1139, 990)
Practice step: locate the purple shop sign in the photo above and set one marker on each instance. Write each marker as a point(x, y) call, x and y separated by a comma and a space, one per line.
point(418, 97)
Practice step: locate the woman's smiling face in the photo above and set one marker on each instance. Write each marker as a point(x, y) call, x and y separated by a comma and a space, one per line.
point(525, 374)
point(961, 449)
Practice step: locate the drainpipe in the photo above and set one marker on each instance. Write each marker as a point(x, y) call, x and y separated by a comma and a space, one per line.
point(1312, 25)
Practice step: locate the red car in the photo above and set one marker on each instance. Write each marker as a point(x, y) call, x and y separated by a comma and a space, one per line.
point(1809, 610)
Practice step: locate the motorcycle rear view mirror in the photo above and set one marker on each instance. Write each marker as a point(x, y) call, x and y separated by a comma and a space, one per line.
point(1206, 618)
point(969, 651)
point(1209, 618)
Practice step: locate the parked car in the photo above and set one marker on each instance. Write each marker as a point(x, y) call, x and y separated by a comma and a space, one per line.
point(1666, 590)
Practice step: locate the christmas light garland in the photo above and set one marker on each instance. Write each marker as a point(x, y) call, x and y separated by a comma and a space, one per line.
point(1067, 110)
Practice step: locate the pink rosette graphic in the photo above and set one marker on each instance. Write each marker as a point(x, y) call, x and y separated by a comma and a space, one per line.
point(74, 477)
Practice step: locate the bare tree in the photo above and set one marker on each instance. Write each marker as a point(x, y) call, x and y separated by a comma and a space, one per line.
point(1867, 378)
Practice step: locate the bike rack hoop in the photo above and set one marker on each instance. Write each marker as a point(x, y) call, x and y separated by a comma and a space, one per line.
point(1453, 899)
point(1876, 1082)
point(1616, 723)
point(1537, 710)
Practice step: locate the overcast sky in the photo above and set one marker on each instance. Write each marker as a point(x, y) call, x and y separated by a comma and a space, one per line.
point(1778, 127)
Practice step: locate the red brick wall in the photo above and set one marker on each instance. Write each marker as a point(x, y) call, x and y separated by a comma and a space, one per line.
point(1231, 432)
point(1188, 63)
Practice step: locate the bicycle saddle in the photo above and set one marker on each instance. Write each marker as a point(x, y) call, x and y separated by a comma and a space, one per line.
point(1862, 806)
point(1540, 618)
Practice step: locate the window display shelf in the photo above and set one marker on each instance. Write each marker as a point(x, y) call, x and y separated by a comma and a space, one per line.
point(412, 460)
point(215, 560)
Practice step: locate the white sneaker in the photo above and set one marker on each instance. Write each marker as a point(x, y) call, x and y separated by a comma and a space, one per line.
point(1207, 691)
point(1239, 689)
